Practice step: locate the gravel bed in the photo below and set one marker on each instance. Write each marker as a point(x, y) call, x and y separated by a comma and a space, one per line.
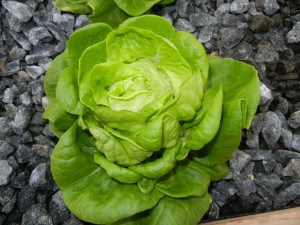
point(264, 171)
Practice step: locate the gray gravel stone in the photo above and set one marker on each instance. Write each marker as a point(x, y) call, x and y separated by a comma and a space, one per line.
point(284, 156)
point(5, 149)
point(289, 194)
point(271, 129)
point(17, 53)
point(5, 125)
point(21, 120)
point(21, 39)
point(239, 160)
point(223, 191)
point(57, 208)
point(39, 178)
point(13, 22)
point(24, 154)
point(270, 7)
point(57, 33)
point(294, 119)
point(206, 34)
point(7, 208)
point(81, 21)
point(43, 150)
point(13, 67)
point(25, 99)
point(184, 8)
point(200, 19)
point(283, 105)
point(239, 6)
point(66, 23)
point(20, 180)
point(293, 36)
point(5, 172)
point(245, 184)
point(34, 71)
point(20, 10)
point(6, 194)
point(36, 215)
point(287, 138)
point(261, 23)
point(41, 17)
point(8, 95)
point(72, 221)
point(296, 142)
point(26, 198)
point(269, 181)
point(231, 36)
point(38, 35)
point(222, 10)
point(292, 168)
point(183, 24)
point(266, 53)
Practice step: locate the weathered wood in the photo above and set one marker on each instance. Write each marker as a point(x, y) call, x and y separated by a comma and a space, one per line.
point(280, 217)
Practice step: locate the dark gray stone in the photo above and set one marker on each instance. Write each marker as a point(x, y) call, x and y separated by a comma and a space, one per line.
point(244, 183)
point(36, 215)
point(41, 17)
point(231, 36)
point(38, 35)
point(239, 160)
point(39, 177)
point(266, 53)
point(20, 10)
point(24, 154)
point(20, 180)
point(296, 142)
point(239, 6)
point(57, 209)
point(43, 150)
point(271, 129)
point(21, 120)
point(223, 192)
point(283, 105)
point(282, 119)
point(13, 22)
point(289, 194)
point(184, 8)
point(293, 36)
point(13, 67)
point(292, 168)
point(287, 138)
point(294, 119)
point(214, 211)
point(5, 172)
point(44, 63)
point(269, 181)
point(231, 20)
point(72, 221)
point(7, 208)
point(81, 21)
point(183, 24)
point(66, 23)
point(278, 42)
point(261, 23)
point(5, 149)
point(284, 156)
point(44, 50)
point(34, 71)
point(6, 194)
point(270, 7)
point(26, 198)
point(200, 19)
point(17, 53)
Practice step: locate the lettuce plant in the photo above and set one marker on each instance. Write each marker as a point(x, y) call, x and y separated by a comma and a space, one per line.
point(145, 120)
point(112, 12)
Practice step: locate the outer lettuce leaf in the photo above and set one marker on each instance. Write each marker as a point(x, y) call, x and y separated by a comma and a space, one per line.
point(87, 189)
point(112, 12)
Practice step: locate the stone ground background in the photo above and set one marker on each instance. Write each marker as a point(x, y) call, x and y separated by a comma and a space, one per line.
point(265, 170)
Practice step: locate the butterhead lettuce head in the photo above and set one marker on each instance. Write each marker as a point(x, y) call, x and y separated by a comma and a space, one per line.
point(145, 120)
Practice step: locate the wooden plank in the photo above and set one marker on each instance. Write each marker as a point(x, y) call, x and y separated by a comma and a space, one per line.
point(280, 217)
